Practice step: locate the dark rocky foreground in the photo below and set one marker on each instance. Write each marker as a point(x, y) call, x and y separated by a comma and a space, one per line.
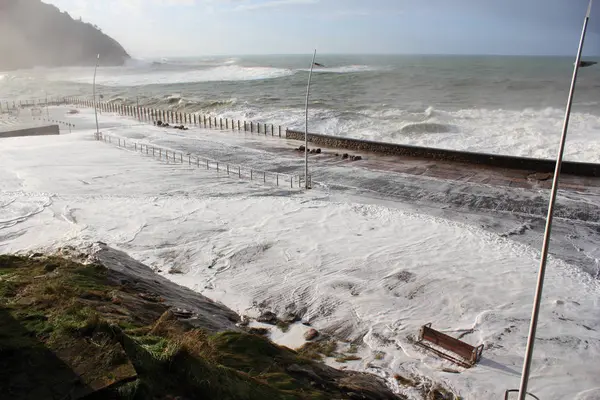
point(33, 33)
point(75, 326)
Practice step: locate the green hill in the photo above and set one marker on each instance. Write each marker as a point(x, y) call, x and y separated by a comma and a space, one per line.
point(33, 33)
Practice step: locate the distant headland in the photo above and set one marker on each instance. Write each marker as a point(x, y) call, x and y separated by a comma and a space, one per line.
point(33, 33)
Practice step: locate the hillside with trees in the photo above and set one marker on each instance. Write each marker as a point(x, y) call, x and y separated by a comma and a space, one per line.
point(33, 33)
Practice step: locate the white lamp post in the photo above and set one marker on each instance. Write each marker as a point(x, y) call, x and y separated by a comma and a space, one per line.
point(312, 64)
point(546, 244)
point(94, 94)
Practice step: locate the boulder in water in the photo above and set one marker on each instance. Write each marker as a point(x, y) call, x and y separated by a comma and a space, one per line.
point(311, 334)
point(267, 317)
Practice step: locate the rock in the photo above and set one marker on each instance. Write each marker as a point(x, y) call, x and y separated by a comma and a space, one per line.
point(311, 334)
point(182, 313)
point(344, 156)
point(318, 151)
point(301, 148)
point(159, 123)
point(306, 371)
point(313, 151)
point(258, 331)
point(337, 154)
point(267, 317)
point(290, 318)
point(541, 176)
point(154, 298)
point(357, 158)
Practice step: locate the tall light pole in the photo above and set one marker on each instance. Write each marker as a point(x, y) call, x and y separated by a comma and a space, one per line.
point(546, 244)
point(312, 64)
point(94, 94)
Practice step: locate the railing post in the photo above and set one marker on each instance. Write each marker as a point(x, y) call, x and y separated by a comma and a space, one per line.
point(279, 130)
point(207, 167)
point(272, 128)
point(240, 172)
point(189, 160)
point(264, 177)
point(238, 124)
point(181, 157)
point(250, 174)
point(227, 169)
point(277, 177)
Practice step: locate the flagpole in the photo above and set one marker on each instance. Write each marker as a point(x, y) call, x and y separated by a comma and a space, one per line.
point(546, 244)
point(94, 93)
point(306, 123)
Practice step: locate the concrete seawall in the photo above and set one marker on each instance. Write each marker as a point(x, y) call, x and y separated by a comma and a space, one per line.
point(491, 160)
point(31, 131)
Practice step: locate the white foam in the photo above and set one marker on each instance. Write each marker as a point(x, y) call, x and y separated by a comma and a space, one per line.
point(527, 133)
point(349, 268)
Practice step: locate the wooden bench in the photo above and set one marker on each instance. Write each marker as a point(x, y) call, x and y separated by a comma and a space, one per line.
point(467, 355)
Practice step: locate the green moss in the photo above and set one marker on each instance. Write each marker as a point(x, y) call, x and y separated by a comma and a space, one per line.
point(345, 358)
point(316, 350)
point(283, 326)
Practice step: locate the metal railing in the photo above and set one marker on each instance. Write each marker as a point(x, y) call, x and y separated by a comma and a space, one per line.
point(177, 117)
point(230, 169)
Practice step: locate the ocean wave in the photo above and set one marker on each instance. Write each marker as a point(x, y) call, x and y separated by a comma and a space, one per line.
point(217, 74)
point(428, 127)
point(346, 69)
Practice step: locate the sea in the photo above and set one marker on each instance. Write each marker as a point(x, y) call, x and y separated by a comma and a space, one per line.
point(495, 104)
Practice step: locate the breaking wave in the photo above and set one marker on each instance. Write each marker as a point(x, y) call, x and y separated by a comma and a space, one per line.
point(428, 127)
point(217, 74)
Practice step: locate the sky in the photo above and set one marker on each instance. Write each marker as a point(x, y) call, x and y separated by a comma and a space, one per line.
point(169, 28)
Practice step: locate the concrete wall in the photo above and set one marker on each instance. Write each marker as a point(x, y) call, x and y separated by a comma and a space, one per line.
point(493, 160)
point(35, 131)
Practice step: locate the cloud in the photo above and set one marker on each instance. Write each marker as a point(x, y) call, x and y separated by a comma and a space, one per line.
point(273, 4)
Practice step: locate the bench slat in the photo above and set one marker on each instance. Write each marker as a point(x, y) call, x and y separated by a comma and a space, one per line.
point(469, 353)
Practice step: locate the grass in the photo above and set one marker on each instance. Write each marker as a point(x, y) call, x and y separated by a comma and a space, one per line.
point(316, 350)
point(345, 358)
point(69, 329)
point(283, 326)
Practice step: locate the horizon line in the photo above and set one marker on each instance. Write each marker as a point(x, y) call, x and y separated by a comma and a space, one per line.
point(363, 54)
